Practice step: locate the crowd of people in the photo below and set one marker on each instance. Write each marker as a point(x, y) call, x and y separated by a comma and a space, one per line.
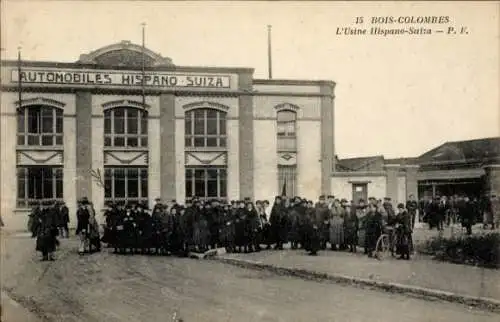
point(442, 211)
point(245, 226)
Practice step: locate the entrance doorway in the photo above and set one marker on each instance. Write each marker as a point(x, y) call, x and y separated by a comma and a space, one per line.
point(359, 191)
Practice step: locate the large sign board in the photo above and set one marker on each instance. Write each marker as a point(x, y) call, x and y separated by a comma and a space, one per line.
point(120, 78)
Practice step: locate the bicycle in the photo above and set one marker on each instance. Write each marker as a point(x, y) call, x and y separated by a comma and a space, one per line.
point(385, 244)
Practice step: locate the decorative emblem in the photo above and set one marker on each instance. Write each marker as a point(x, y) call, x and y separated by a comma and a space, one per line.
point(287, 157)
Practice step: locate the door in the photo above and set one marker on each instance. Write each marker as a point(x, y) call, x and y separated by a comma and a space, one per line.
point(359, 191)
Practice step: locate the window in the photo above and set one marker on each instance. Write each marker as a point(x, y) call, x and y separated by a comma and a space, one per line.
point(205, 128)
point(40, 125)
point(209, 182)
point(287, 178)
point(126, 184)
point(126, 127)
point(286, 126)
point(39, 183)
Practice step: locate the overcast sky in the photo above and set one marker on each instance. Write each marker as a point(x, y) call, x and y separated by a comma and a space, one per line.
point(396, 95)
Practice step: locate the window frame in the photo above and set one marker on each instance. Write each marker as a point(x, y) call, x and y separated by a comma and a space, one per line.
point(288, 172)
point(221, 131)
point(23, 174)
point(109, 172)
point(140, 137)
point(288, 140)
point(26, 138)
point(221, 180)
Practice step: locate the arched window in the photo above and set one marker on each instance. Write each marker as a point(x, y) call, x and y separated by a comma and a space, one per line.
point(205, 128)
point(39, 125)
point(125, 127)
point(286, 130)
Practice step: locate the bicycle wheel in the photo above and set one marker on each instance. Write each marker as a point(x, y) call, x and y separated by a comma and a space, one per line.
point(382, 248)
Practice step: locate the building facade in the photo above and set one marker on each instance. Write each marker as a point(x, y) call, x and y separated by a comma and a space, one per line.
point(123, 123)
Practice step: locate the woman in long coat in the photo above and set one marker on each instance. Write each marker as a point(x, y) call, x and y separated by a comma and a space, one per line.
point(337, 226)
point(361, 211)
point(403, 233)
point(46, 241)
point(351, 226)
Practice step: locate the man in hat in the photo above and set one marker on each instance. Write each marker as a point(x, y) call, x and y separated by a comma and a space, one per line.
point(412, 207)
point(63, 219)
point(46, 234)
point(403, 232)
point(82, 226)
point(323, 221)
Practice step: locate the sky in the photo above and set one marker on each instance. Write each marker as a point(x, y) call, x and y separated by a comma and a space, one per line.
point(396, 96)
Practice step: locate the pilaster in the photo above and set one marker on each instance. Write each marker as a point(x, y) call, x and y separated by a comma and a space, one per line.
point(246, 155)
point(84, 144)
point(411, 181)
point(392, 181)
point(167, 154)
point(327, 136)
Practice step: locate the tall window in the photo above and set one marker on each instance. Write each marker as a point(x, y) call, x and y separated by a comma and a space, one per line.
point(125, 127)
point(286, 124)
point(40, 125)
point(126, 184)
point(210, 182)
point(287, 177)
point(39, 183)
point(205, 128)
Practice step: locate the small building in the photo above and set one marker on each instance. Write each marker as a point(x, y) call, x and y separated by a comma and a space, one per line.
point(465, 167)
point(125, 123)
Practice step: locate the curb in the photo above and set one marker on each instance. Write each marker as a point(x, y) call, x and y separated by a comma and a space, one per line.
point(488, 304)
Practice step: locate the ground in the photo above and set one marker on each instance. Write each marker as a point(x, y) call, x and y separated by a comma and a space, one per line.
point(108, 287)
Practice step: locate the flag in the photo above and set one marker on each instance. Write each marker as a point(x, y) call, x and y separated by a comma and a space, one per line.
point(283, 189)
point(269, 53)
point(19, 80)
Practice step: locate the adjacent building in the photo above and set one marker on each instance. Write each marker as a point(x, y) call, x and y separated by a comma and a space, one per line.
point(469, 167)
point(125, 123)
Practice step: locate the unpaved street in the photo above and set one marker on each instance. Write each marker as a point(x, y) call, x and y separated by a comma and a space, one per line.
point(107, 287)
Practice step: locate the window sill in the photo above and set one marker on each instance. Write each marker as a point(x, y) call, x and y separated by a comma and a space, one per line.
point(39, 148)
point(206, 149)
point(22, 210)
point(125, 149)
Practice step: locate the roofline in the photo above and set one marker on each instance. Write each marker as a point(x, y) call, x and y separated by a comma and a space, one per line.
point(76, 65)
point(471, 140)
point(369, 157)
point(293, 82)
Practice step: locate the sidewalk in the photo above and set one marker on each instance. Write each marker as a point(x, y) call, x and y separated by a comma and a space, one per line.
point(420, 272)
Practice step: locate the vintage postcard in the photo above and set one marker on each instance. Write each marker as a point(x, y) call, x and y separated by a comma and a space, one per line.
point(250, 161)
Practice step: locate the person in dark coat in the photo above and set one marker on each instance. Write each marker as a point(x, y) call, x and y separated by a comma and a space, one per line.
point(82, 226)
point(403, 232)
point(323, 220)
point(412, 207)
point(466, 213)
point(46, 241)
point(64, 220)
point(252, 227)
point(275, 219)
point(373, 227)
point(312, 228)
point(110, 213)
point(34, 219)
point(226, 236)
point(351, 226)
point(293, 217)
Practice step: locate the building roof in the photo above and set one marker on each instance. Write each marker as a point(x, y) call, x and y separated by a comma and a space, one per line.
point(464, 153)
point(484, 150)
point(359, 164)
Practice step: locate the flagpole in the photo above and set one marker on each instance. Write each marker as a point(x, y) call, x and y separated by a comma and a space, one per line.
point(19, 79)
point(269, 53)
point(143, 65)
